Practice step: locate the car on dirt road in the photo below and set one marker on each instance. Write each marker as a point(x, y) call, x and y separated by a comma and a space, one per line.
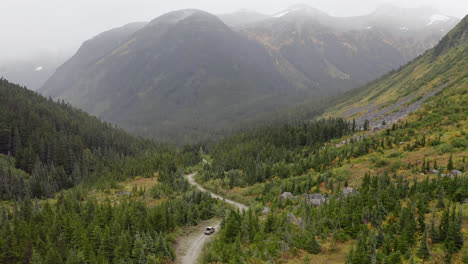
point(209, 230)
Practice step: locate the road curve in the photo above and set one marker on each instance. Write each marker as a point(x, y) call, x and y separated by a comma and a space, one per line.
point(196, 242)
point(194, 183)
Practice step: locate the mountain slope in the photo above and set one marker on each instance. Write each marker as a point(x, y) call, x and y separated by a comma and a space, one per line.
point(443, 65)
point(91, 51)
point(186, 76)
point(57, 145)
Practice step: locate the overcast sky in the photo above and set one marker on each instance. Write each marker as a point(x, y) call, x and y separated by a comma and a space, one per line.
point(31, 27)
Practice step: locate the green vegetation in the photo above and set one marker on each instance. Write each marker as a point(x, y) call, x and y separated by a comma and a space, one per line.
point(272, 151)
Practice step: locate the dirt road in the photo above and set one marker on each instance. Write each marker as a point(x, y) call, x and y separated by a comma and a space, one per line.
point(191, 247)
point(194, 183)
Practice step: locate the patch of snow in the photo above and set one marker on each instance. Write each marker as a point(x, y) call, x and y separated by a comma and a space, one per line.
point(437, 18)
point(404, 28)
point(291, 9)
point(280, 14)
point(39, 68)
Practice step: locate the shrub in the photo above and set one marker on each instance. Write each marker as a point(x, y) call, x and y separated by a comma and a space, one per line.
point(378, 162)
point(461, 143)
point(395, 165)
point(396, 154)
point(444, 148)
point(341, 174)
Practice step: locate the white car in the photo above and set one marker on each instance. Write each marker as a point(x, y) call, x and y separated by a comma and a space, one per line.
point(209, 230)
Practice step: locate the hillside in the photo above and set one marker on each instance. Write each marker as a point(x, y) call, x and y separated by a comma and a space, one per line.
point(72, 187)
point(56, 145)
point(335, 191)
point(134, 75)
point(390, 97)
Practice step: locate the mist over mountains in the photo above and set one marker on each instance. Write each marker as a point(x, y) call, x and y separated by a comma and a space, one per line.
point(188, 75)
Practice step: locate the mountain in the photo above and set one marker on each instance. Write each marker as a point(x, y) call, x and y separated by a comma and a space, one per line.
point(337, 53)
point(188, 76)
point(178, 69)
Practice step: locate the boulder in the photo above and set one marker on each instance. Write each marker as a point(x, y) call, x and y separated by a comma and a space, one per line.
point(316, 202)
point(284, 246)
point(316, 196)
point(433, 171)
point(315, 199)
point(122, 193)
point(291, 217)
point(286, 195)
point(347, 191)
point(266, 210)
point(456, 173)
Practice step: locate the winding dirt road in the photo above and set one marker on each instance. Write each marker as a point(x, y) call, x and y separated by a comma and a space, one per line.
point(194, 183)
point(196, 242)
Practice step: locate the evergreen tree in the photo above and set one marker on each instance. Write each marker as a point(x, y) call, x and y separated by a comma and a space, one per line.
point(366, 125)
point(35, 258)
point(423, 249)
point(312, 245)
point(450, 163)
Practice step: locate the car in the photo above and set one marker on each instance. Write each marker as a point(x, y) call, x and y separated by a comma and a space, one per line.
point(209, 230)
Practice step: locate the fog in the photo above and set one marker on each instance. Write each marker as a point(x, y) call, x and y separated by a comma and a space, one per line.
point(32, 28)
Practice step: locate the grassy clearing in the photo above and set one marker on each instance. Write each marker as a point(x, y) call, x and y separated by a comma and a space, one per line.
point(138, 188)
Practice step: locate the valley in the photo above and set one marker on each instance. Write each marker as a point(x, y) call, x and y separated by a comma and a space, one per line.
point(300, 137)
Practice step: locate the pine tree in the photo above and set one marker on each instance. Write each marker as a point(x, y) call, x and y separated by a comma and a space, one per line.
point(366, 125)
point(454, 238)
point(423, 249)
point(440, 202)
point(450, 164)
point(17, 145)
point(444, 225)
point(36, 258)
point(53, 257)
point(312, 245)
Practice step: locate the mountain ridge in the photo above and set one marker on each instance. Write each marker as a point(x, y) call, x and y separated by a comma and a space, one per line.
point(187, 71)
